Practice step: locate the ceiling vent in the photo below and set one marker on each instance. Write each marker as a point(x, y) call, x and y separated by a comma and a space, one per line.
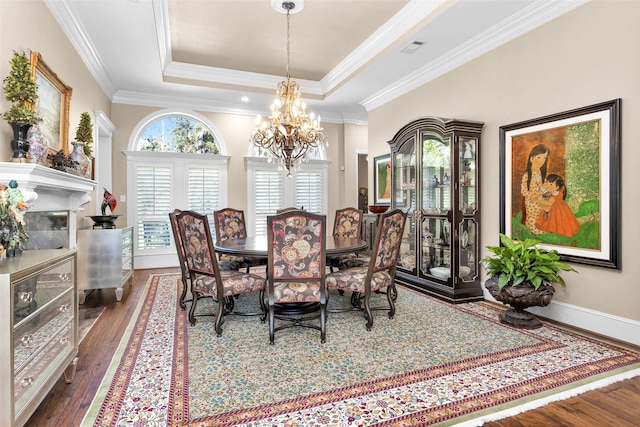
point(411, 47)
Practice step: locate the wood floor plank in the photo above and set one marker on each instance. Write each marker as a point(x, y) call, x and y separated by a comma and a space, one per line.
point(65, 406)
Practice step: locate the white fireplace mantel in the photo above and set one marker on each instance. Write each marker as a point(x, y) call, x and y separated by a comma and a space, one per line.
point(47, 189)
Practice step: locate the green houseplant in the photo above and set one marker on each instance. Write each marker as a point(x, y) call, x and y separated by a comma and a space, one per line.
point(522, 275)
point(84, 132)
point(21, 90)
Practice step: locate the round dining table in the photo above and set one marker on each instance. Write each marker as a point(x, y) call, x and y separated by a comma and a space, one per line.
point(256, 246)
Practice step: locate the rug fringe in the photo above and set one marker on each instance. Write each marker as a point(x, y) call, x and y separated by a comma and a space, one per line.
point(550, 399)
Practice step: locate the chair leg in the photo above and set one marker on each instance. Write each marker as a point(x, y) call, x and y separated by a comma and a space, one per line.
point(271, 324)
point(323, 324)
point(218, 323)
point(192, 310)
point(263, 307)
point(367, 312)
point(392, 294)
point(183, 295)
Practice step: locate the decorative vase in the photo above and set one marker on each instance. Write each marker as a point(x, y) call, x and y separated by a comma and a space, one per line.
point(38, 147)
point(19, 143)
point(83, 162)
point(520, 297)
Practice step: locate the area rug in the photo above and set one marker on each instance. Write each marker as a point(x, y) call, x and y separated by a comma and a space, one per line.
point(433, 364)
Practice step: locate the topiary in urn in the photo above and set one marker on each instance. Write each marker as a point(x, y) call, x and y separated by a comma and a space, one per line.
point(20, 89)
point(522, 275)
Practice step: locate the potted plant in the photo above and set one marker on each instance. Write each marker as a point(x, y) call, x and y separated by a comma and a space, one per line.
point(21, 90)
point(522, 275)
point(84, 132)
point(82, 145)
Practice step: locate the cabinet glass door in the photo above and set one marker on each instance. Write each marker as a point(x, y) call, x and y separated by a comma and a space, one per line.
point(404, 197)
point(468, 175)
point(436, 175)
point(468, 250)
point(436, 205)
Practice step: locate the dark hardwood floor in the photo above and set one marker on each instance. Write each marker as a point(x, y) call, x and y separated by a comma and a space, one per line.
point(616, 405)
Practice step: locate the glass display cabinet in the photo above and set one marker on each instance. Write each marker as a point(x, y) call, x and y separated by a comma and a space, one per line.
point(435, 179)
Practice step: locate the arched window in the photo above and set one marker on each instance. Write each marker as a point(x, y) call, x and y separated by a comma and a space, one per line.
point(177, 133)
point(175, 160)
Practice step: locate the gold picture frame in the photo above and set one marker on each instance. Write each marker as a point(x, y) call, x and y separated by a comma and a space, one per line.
point(52, 106)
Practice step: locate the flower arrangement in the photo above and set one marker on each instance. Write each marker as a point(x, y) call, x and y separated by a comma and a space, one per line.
point(12, 208)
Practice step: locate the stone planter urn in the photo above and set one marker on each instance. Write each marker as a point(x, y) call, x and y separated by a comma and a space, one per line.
point(520, 297)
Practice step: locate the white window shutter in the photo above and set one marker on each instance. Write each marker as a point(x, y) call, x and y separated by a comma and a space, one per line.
point(153, 203)
point(269, 197)
point(309, 190)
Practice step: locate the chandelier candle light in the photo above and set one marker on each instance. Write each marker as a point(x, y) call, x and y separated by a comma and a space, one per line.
point(290, 132)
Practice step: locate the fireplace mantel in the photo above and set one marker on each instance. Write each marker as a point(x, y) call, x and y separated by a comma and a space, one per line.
point(47, 189)
point(50, 190)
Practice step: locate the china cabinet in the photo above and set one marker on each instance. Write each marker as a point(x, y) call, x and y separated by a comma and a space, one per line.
point(435, 179)
point(39, 329)
point(105, 259)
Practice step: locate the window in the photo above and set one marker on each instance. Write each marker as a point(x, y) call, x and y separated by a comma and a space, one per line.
point(174, 162)
point(270, 189)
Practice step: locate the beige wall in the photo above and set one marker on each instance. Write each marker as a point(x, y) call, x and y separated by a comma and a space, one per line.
point(22, 28)
point(587, 56)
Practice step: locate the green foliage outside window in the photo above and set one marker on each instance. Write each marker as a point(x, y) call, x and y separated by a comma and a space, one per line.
point(178, 134)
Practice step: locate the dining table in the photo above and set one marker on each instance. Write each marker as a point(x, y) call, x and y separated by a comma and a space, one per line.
point(257, 246)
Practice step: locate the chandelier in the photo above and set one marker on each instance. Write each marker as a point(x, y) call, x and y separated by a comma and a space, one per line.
point(289, 132)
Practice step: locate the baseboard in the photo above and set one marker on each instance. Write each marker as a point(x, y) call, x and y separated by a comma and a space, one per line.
point(615, 327)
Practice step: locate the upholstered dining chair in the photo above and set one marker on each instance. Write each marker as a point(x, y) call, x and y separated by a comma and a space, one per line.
point(380, 272)
point(182, 260)
point(206, 278)
point(347, 223)
point(230, 225)
point(296, 287)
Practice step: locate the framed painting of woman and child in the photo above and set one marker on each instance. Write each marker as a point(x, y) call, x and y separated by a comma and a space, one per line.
point(560, 183)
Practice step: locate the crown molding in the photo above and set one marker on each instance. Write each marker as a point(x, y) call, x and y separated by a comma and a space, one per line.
point(381, 40)
point(535, 15)
point(77, 36)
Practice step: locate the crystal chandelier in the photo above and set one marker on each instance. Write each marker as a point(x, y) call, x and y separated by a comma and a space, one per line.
point(290, 132)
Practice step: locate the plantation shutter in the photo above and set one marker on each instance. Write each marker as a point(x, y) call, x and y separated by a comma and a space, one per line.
point(204, 190)
point(269, 197)
point(153, 204)
point(309, 191)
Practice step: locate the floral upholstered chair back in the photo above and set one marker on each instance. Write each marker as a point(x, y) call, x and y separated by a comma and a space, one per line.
point(230, 224)
point(296, 266)
point(347, 223)
point(198, 246)
point(390, 232)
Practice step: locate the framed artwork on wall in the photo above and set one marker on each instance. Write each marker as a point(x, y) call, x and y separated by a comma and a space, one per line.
point(382, 180)
point(54, 98)
point(560, 183)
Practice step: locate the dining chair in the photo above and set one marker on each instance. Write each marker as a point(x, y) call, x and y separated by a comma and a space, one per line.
point(182, 260)
point(347, 223)
point(296, 286)
point(230, 225)
point(206, 278)
point(380, 272)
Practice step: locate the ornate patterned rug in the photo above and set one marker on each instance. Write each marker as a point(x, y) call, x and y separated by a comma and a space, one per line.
point(434, 363)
